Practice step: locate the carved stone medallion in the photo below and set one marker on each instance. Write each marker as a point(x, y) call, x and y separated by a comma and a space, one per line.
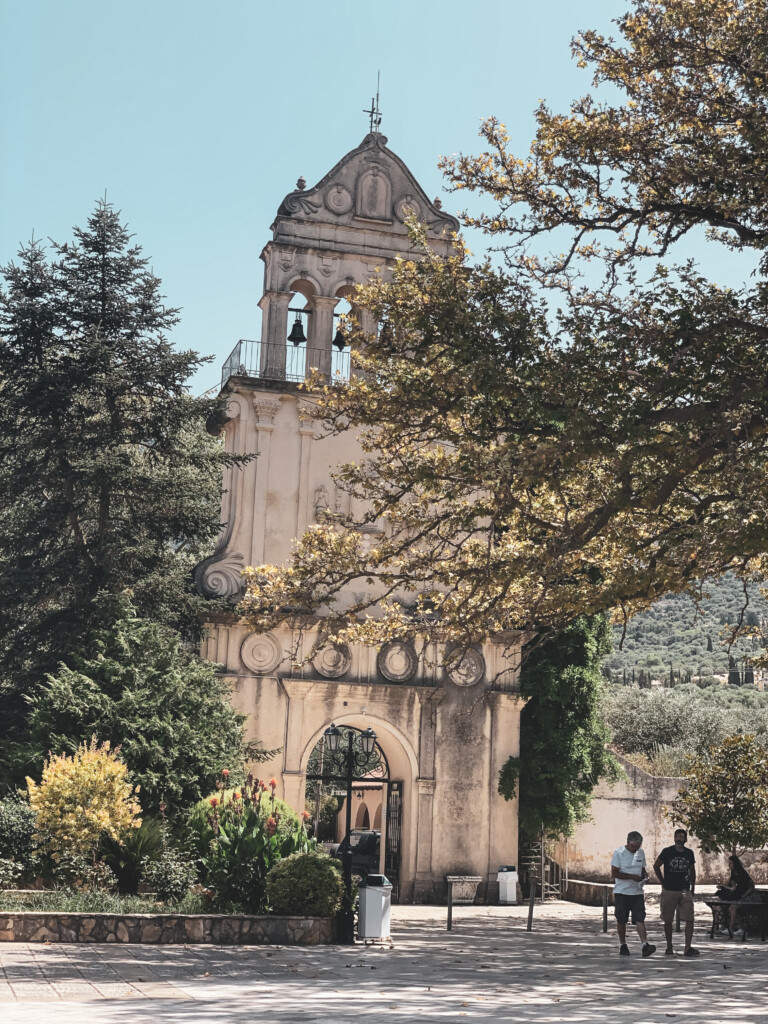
point(407, 207)
point(469, 670)
point(261, 653)
point(332, 661)
point(397, 661)
point(338, 199)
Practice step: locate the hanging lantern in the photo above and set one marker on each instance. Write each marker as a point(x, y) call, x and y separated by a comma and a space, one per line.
point(339, 340)
point(297, 331)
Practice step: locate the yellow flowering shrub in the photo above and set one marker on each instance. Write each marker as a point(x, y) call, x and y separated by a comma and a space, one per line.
point(82, 798)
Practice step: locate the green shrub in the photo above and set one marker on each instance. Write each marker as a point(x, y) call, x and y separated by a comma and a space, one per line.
point(17, 830)
point(309, 884)
point(199, 828)
point(127, 857)
point(170, 876)
point(10, 873)
point(246, 841)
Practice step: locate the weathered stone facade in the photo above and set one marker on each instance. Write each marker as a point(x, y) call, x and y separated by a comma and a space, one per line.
point(445, 732)
point(221, 930)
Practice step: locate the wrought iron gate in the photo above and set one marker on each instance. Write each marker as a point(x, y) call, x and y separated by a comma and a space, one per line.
point(394, 837)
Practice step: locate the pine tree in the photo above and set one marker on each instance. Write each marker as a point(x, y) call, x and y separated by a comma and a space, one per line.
point(108, 481)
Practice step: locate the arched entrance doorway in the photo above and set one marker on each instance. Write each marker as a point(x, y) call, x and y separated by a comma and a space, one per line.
point(376, 804)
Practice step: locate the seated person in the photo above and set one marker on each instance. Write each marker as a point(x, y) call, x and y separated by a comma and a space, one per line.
point(740, 888)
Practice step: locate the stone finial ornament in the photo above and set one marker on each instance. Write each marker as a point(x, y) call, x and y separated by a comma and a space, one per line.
point(301, 184)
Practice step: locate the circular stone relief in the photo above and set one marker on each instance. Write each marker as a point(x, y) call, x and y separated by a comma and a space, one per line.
point(397, 662)
point(407, 207)
point(469, 670)
point(261, 653)
point(332, 661)
point(338, 199)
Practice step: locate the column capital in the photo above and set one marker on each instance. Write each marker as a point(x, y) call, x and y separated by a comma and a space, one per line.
point(266, 410)
point(278, 298)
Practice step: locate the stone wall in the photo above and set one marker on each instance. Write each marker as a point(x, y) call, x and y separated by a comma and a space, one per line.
point(639, 804)
point(220, 930)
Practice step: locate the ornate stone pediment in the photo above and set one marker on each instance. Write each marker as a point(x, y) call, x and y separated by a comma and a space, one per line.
point(368, 188)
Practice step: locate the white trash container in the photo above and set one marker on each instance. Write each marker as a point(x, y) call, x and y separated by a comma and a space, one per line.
point(508, 884)
point(373, 919)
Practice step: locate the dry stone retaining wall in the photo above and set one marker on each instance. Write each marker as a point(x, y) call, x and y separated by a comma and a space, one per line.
point(220, 930)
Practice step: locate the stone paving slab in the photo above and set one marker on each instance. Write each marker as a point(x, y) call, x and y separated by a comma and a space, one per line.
point(488, 969)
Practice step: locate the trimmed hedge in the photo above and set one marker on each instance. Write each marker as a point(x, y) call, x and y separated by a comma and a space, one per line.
point(309, 884)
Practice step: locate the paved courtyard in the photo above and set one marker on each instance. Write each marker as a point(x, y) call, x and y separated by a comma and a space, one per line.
point(488, 968)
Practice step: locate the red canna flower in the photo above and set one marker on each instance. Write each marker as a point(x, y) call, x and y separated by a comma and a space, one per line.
point(273, 783)
point(214, 801)
point(225, 772)
point(271, 825)
point(305, 815)
point(235, 795)
point(262, 784)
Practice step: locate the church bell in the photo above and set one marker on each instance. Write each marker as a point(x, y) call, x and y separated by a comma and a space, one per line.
point(297, 331)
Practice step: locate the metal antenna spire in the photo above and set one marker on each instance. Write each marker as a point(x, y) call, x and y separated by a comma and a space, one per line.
point(374, 114)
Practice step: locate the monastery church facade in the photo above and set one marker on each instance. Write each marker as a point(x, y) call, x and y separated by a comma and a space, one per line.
point(444, 734)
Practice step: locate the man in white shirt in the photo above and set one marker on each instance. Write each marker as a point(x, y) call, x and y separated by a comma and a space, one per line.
point(629, 873)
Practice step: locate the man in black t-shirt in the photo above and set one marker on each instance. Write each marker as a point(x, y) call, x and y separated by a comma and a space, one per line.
point(677, 886)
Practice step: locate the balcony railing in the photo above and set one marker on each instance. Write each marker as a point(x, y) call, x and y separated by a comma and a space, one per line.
point(285, 362)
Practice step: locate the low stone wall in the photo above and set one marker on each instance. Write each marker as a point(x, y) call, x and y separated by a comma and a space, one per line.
point(588, 893)
point(221, 930)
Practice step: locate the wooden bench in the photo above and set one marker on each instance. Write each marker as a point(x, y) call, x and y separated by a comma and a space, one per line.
point(754, 916)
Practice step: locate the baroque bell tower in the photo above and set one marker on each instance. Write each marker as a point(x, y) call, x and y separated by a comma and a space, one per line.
point(444, 733)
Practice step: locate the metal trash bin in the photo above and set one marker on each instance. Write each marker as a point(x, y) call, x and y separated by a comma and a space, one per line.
point(508, 884)
point(373, 919)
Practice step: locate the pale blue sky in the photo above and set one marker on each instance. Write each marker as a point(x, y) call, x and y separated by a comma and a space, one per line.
point(198, 118)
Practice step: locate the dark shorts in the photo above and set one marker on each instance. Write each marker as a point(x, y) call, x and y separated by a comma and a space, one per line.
point(624, 905)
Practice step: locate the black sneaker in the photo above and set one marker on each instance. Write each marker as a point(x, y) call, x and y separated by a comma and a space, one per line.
point(669, 951)
point(691, 952)
point(623, 949)
point(648, 948)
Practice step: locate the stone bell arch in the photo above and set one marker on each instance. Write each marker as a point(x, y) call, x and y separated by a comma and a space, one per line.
point(450, 730)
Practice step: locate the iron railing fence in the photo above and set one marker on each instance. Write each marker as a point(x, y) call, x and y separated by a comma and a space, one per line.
point(285, 362)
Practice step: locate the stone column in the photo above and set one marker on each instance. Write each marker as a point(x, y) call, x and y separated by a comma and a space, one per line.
point(321, 333)
point(505, 709)
point(266, 410)
point(429, 698)
point(274, 331)
point(307, 412)
point(293, 777)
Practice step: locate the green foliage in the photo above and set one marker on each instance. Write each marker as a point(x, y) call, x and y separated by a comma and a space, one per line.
point(142, 689)
point(307, 884)
point(10, 873)
point(109, 482)
point(199, 825)
point(82, 798)
point(88, 901)
point(658, 728)
point(72, 870)
point(562, 737)
point(245, 845)
point(584, 430)
point(678, 631)
point(724, 800)
point(128, 857)
point(170, 875)
point(17, 829)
